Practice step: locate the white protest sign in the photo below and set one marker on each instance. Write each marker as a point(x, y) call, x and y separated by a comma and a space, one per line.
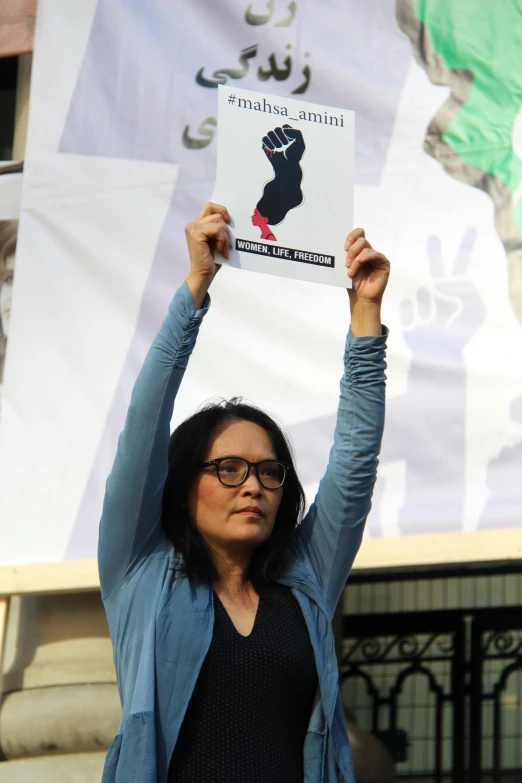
point(285, 171)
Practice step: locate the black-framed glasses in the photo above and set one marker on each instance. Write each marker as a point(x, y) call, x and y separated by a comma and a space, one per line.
point(233, 471)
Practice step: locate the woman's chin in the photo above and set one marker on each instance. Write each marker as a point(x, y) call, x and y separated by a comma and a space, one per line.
point(253, 532)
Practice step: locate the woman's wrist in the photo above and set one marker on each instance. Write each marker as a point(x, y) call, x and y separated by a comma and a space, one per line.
point(366, 318)
point(198, 286)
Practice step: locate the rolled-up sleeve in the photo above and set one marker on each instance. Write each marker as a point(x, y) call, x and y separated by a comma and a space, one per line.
point(331, 533)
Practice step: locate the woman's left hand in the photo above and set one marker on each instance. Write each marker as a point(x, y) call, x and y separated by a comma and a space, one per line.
point(368, 269)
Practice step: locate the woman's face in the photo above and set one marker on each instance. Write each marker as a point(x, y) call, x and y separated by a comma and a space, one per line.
point(235, 518)
point(258, 219)
point(6, 292)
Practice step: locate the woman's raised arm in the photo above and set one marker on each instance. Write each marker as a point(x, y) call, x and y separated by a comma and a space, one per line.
point(331, 533)
point(130, 526)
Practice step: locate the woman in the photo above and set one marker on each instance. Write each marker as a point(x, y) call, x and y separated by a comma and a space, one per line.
point(219, 603)
point(261, 222)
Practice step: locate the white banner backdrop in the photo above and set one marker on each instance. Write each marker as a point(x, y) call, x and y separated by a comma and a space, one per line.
point(123, 100)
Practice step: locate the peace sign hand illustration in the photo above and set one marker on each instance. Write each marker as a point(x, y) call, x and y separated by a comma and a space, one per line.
point(444, 317)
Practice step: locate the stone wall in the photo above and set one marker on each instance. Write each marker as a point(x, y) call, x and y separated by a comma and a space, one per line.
point(60, 694)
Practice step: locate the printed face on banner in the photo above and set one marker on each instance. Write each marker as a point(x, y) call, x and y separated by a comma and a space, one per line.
point(8, 231)
point(285, 172)
point(8, 234)
point(10, 192)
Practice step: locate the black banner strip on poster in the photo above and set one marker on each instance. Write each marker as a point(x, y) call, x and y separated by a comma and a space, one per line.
point(275, 251)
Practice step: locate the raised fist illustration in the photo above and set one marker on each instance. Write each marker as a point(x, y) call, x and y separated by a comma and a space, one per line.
point(284, 148)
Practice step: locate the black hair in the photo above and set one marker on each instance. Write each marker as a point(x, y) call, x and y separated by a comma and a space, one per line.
point(187, 449)
point(280, 195)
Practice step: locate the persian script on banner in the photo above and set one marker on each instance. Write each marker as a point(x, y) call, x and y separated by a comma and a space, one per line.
point(285, 171)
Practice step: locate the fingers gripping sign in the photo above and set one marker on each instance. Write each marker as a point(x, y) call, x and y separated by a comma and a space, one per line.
point(208, 233)
point(368, 269)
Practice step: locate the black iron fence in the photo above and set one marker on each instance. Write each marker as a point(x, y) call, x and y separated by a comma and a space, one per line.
point(442, 688)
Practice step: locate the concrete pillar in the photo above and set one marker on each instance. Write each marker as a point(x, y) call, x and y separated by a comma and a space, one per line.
point(60, 705)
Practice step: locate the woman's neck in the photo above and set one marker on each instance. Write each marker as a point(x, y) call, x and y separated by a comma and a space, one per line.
point(231, 575)
point(266, 233)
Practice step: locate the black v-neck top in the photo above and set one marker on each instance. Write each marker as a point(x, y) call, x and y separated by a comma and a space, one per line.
point(247, 719)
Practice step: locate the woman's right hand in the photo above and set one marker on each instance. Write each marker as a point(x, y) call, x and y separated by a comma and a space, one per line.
point(208, 233)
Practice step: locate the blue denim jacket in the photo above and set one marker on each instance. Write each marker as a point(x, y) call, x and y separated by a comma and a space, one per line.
point(161, 628)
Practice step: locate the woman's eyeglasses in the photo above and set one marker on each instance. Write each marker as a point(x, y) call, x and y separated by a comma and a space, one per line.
point(233, 471)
